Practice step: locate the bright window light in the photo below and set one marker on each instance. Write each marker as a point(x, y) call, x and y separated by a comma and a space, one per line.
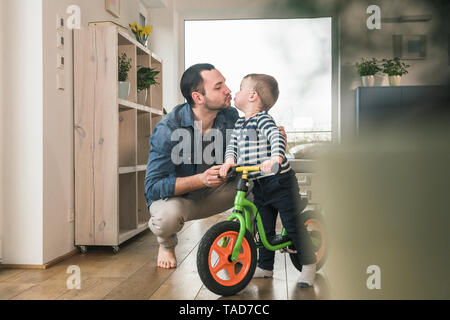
point(297, 52)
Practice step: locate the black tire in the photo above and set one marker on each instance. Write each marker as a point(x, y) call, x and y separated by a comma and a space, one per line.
point(203, 256)
point(318, 237)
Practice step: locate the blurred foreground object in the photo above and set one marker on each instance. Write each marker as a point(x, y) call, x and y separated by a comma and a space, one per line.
point(386, 199)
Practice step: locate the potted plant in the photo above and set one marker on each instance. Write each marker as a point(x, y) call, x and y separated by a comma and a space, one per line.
point(141, 33)
point(145, 78)
point(124, 68)
point(395, 69)
point(367, 70)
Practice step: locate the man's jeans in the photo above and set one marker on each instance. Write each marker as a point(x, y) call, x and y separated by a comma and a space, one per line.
point(169, 215)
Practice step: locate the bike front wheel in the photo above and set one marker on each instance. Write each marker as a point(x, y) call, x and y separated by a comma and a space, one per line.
point(217, 272)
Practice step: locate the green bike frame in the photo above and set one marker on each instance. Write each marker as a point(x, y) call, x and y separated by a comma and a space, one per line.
point(242, 205)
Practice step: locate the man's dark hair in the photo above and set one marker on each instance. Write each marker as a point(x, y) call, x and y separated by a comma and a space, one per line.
point(192, 81)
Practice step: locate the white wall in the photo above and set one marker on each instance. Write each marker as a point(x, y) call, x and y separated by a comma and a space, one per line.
point(37, 171)
point(58, 120)
point(163, 41)
point(22, 134)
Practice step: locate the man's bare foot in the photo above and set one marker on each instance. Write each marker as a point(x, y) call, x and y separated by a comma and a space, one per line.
point(166, 258)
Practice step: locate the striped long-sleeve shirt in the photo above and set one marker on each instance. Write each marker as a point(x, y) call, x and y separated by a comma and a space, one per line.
point(255, 141)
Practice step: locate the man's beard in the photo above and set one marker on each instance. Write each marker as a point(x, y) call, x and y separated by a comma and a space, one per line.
point(212, 107)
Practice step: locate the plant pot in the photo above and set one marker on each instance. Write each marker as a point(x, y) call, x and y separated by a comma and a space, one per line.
point(395, 80)
point(368, 81)
point(142, 41)
point(124, 90)
point(142, 96)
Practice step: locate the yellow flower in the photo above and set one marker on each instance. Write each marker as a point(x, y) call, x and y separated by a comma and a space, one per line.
point(133, 27)
point(148, 30)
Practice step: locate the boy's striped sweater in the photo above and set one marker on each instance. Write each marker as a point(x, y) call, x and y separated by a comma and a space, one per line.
point(255, 141)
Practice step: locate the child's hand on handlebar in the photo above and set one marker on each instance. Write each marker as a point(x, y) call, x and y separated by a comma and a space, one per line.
point(224, 169)
point(267, 166)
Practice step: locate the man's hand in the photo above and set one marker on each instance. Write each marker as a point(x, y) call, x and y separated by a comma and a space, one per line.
point(283, 133)
point(223, 171)
point(210, 178)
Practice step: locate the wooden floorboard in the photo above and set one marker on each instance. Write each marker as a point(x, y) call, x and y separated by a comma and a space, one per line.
point(318, 292)
point(133, 274)
point(184, 283)
point(258, 288)
point(144, 282)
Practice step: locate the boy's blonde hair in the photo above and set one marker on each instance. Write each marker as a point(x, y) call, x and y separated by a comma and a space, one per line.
point(267, 88)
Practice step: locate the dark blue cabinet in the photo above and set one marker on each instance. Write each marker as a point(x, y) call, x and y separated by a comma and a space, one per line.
point(397, 107)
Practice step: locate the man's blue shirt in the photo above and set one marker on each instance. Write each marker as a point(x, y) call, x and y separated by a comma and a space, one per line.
point(162, 172)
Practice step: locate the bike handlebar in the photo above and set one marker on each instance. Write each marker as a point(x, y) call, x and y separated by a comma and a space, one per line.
point(276, 168)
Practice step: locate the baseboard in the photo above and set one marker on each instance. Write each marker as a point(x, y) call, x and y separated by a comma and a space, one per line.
point(40, 266)
point(22, 266)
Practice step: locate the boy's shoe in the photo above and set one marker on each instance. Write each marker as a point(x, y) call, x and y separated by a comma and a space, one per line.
point(307, 277)
point(262, 273)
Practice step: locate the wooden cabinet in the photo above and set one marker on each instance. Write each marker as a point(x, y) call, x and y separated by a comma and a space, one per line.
point(111, 137)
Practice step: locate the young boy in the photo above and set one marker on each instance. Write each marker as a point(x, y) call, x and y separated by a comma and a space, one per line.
point(257, 141)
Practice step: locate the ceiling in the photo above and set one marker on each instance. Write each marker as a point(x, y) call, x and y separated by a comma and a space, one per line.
point(154, 4)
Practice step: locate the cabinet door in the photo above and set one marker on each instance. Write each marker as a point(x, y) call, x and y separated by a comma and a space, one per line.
point(85, 64)
point(377, 107)
point(106, 138)
point(423, 104)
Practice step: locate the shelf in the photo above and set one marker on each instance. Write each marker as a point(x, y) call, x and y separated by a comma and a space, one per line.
point(155, 119)
point(141, 168)
point(125, 104)
point(110, 175)
point(125, 170)
point(127, 137)
point(127, 201)
point(125, 234)
point(131, 169)
point(157, 58)
point(127, 39)
point(143, 214)
point(143, 136)
point(156, 90)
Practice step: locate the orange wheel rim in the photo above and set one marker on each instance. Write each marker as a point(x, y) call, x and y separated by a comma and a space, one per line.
point(315, 225)
point(223, 271)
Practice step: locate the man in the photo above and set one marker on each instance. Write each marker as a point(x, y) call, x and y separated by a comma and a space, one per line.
point(176, 191)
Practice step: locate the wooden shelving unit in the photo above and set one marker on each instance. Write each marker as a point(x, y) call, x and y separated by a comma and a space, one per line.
point(111, 137)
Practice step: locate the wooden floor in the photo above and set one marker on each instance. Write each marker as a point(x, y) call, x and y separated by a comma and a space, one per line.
point(132, 274)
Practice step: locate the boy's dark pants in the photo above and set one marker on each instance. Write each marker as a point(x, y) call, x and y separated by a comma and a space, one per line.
point(280, 193)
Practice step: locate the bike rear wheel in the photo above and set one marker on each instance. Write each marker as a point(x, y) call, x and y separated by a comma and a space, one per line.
point(217, 272)
point(315, 225)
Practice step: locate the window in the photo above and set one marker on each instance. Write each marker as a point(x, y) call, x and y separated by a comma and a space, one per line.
point(142, 20)
point(297, 52)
